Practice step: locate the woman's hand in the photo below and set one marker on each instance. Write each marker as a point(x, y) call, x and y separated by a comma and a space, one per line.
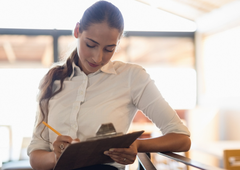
point(61, 143)
point(123, 156)
point(75, 141)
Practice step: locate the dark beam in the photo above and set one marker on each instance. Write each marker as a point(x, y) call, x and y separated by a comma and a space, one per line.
point(57, 33)
point(10, 31)
point(159, 34)
point(55, 48)
point(34, 32)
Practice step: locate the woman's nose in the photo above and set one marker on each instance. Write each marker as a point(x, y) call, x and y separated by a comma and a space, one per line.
point(98, 56)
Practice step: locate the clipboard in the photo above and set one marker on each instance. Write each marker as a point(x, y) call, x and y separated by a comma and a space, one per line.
point(90, 152)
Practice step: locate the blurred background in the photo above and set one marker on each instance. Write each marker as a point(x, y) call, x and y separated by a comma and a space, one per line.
point(189, 47)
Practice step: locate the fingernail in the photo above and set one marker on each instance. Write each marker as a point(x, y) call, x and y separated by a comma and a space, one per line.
point(111, 150)
point(106, 153)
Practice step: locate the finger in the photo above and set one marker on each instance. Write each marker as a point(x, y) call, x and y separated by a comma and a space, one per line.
point(123, 152)
point(60, 144)
point(121, 158)
point(75, 141)
point(57, 153)
point(58, 148)
point(63, 138)
point(119, 150)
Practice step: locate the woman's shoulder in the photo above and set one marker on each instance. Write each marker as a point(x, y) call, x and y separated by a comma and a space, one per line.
point(126, 66)
point(134, 73)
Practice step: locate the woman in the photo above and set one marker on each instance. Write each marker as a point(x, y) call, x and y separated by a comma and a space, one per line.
point(89, 90)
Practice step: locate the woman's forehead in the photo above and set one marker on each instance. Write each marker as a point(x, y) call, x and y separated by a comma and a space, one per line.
point(102, 32)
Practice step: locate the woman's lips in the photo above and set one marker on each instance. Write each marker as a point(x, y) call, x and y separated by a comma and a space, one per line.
point(92, 65)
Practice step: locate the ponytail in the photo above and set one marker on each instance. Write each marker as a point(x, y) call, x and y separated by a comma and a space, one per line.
point(46, 87)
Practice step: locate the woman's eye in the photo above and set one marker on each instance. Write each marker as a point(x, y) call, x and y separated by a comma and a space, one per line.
point(90, 46)
point(110, 50)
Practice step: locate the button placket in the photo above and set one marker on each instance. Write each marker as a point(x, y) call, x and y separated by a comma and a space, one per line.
point(77, 105)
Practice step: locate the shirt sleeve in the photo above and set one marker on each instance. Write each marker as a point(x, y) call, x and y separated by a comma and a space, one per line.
point(37, 143)
point(147, 98)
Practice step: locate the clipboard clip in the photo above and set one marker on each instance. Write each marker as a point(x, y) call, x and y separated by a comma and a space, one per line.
point(106, 130)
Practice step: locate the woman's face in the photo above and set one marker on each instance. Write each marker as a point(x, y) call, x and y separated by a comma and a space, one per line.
point(96, 46)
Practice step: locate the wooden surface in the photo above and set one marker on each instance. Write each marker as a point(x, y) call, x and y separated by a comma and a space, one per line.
point(232, 159)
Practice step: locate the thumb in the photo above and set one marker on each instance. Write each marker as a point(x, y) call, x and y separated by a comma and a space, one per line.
point(75, 140)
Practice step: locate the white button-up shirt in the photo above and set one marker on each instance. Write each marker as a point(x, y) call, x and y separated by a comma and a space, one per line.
point(112, 94)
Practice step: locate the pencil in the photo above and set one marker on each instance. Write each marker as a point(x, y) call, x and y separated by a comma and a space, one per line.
point(59, 134)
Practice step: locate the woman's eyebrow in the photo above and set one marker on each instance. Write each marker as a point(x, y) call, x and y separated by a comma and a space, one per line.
point(93, 41)
point(98, 43)
point(112, 45)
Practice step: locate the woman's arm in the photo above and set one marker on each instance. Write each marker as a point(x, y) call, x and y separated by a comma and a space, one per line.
point(45, 160)
point(147, 98)
point(42, 160)
point(172, 142)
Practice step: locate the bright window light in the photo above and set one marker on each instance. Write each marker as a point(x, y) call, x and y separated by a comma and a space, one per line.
point(177, 85)
point(62, 14)
point(18, 91)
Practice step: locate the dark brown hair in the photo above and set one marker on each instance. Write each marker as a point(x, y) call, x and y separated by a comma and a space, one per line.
point(102, 11)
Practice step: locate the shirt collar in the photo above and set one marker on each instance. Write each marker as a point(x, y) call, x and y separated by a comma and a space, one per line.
point(108, 68)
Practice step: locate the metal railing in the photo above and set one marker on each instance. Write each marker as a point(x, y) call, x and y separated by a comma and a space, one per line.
point(146, 164)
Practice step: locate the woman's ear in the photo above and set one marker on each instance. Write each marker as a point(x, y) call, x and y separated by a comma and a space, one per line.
point(76, 30)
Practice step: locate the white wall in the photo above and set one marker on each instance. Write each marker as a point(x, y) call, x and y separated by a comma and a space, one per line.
point(230, 124)
point(220, 79)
